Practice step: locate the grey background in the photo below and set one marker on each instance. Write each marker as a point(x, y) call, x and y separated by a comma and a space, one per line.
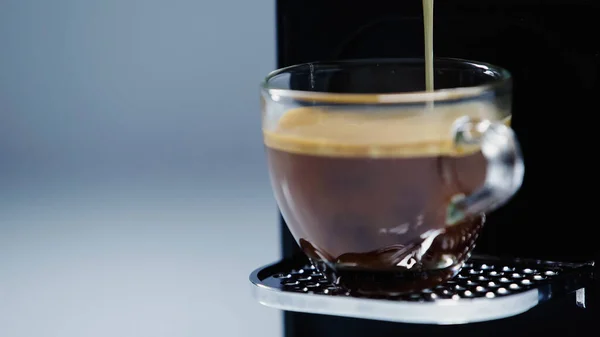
point(134, 198)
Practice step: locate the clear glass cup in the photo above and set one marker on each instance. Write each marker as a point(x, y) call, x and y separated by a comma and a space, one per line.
point(384, 185)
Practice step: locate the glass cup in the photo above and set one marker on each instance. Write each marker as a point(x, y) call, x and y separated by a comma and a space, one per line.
point(384, 185)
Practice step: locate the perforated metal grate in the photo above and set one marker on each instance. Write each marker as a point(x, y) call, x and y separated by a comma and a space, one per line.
point(475, 280)
point(485, 289)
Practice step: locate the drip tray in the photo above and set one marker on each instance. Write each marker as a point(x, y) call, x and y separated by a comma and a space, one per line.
point(487, 288)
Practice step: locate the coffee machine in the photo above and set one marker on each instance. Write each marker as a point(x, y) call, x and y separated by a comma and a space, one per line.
point(534, 268)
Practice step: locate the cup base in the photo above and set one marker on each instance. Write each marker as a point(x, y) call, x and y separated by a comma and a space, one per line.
point(375, 284)
point(375, 274)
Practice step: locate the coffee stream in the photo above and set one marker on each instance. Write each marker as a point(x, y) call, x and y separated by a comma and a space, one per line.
point(428, 28)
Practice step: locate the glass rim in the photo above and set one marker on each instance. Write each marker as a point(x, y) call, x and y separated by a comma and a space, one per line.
point(448, 94)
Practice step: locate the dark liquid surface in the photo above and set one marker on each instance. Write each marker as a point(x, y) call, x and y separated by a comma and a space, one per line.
point(369, 214)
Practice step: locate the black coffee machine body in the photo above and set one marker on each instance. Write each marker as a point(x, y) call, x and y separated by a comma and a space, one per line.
point(552, 50)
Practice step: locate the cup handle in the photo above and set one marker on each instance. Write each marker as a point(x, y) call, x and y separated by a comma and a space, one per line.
point(505, 169)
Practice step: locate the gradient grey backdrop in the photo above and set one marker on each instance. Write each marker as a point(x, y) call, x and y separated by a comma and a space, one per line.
point(134, 198)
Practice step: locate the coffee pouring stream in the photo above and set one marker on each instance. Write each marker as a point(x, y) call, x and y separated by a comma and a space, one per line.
point(428, 33)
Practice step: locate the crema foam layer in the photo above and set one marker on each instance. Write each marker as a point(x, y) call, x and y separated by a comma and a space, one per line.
point(395, 132)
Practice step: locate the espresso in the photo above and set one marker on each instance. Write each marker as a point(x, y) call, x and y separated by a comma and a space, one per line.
point(370, 191)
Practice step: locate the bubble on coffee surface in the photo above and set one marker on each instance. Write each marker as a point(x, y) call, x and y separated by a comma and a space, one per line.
point(400, 132)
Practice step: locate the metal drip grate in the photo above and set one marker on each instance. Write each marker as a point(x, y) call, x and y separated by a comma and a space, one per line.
point(485, 289)
point(474, 281)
